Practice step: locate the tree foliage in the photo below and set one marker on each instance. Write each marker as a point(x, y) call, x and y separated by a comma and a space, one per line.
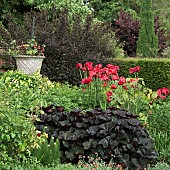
point(147, 44)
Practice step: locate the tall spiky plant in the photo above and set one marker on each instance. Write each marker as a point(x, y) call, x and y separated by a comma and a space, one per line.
point(147, 44)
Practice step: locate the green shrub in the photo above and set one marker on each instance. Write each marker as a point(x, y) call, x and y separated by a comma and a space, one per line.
point(160, 117)
point(155, 72)
point(113, 133)
point(159, 129)
point(17, 134)
point(40, 90)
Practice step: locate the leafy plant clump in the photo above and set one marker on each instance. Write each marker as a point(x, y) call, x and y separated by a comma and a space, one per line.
point(115, 134)
point(46, 152)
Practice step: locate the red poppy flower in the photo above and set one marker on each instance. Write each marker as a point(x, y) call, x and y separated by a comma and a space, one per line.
point(89, 65)
point(39, 133)
point(125, 87)
point(78, 65)
point(99, 66)
point(137, 68)
point(163, 92)
point(112, 66)
point(131, 70)
point(84, 68)
point(109, 93)
point(104, 77)
point(111, 71)
point(105, 84)
point(134, 69)
point(122, 80)
point(92, 74)
point(108, 99)
point(86, 80)
point(113, 86)
point(115, 77)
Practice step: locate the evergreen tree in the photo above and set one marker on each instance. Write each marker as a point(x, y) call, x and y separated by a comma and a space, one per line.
point(147, 44)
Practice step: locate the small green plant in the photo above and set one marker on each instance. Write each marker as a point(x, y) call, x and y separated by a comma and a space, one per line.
point(46, 152)
point(162, 144)
point(159, 166)
point(31, 163)
point(29, 48)
point(96, 163)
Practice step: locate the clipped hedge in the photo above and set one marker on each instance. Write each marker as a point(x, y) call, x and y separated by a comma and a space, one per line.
point(155, 72)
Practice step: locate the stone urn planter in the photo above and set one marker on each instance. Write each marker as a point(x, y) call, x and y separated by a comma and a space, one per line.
point(28, 64)
point(2, 51)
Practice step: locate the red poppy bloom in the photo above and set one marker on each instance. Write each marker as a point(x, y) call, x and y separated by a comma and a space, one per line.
point(125, 87)
point(134, 69)
point(105, 84)
point(163, 92)
point(131, 70)
point(122, 80)
point(78, 65)
point(84, 68)
point(111, 71)
point(89, 65)
point(108, 99)
point(109, 93)
point(92, 74)
point(86, 80)
point(99, 66)
point(137, 68)
point(39, 133)
point(104, 77)
point(113, 86)
point(115, 77)
point(112, 66)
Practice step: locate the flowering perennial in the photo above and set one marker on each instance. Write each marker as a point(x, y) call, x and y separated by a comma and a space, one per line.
point(162, 92)
point(104, 87)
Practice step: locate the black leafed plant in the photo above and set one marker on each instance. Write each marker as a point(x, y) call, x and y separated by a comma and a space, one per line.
point(114, 134)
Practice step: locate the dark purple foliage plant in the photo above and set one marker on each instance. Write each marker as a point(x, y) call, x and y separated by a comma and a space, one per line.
point(127, 32)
